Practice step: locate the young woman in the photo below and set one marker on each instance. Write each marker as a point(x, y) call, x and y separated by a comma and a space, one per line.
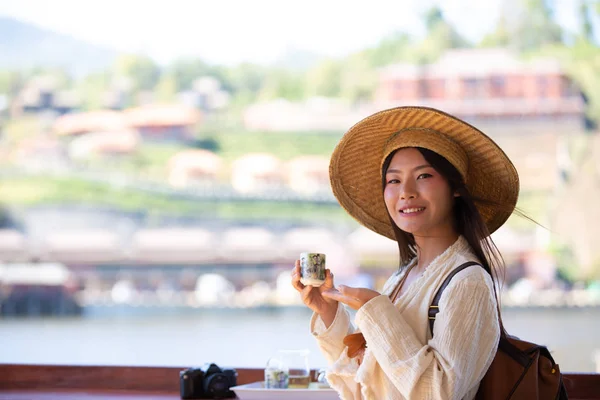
point(439, 187)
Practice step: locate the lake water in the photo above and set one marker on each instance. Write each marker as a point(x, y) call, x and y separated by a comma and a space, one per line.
point(247, 338)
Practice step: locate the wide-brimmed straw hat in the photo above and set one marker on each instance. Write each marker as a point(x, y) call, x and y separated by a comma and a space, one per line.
point(356, 163)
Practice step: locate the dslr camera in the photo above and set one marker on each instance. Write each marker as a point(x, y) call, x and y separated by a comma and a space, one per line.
point(207, 382)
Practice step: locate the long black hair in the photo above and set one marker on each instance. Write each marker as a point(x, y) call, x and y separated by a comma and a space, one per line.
point(468, 222)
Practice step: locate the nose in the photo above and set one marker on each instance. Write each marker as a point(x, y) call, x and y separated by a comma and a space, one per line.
point(408, 191)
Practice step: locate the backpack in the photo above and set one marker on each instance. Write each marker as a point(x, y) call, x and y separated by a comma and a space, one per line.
point(519, 370)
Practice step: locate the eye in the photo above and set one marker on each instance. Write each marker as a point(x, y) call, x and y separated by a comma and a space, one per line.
point(393, 181)
point(424, 176)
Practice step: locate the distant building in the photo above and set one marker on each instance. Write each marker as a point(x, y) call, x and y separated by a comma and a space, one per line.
point(491, 88)
point(39, 154)
point(86, 122)
point(13, 246)
point(163, 123)
point(118, 94)
point(180, 245)
point(154, 123)
point(209, 94)
point(256, 172)
point(308, 174)
point(314, 114)
point(195, 166)
point(486, 85)
point(42, 94)
point(82, 246)
point(205, 94)
point(104, 144)
point(114, 99)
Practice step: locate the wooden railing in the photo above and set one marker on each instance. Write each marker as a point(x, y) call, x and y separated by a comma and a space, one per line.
point(53, 382)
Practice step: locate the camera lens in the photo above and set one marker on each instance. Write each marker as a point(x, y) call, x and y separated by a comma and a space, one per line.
point(217, 385)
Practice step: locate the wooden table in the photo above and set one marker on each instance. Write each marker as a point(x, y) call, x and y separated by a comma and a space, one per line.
point(84, 395)
point(56, 382)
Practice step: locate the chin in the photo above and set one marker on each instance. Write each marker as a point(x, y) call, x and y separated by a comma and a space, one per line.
point(409, 230)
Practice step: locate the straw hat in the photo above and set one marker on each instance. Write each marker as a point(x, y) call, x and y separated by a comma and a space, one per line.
point(356, 163)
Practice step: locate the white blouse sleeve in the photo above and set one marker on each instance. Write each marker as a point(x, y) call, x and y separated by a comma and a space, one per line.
point(466, 335)
point(330, 340)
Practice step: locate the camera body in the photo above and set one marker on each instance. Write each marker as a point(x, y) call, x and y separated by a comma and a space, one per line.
point(207, 382)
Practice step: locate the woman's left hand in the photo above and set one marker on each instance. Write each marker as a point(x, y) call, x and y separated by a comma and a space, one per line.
point(352, 297)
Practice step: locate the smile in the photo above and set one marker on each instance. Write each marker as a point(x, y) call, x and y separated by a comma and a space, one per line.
point(412, 210)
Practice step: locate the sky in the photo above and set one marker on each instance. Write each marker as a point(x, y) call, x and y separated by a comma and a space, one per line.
point(233, 31)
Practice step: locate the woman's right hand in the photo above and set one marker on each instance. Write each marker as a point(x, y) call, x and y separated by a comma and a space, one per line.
point(312, 296)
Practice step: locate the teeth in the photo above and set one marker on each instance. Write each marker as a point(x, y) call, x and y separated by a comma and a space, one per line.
point(412, 210)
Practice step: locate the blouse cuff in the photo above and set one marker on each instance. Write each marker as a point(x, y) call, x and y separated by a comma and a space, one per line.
point(338, 328)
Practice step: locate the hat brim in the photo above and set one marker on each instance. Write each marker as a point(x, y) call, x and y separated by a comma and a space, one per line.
point(355, 166)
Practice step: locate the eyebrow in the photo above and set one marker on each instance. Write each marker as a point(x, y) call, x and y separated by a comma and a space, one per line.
point(414, 169)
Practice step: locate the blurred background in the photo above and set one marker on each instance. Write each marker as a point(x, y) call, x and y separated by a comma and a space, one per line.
point(162, 165)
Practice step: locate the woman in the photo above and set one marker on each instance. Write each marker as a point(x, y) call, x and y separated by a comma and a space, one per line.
point(439, 187)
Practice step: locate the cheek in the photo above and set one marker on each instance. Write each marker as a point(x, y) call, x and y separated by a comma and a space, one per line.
point(389, 197)
point(445, 201)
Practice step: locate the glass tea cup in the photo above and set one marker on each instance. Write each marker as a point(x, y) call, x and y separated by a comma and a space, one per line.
point(276, 374)
point(296, 362)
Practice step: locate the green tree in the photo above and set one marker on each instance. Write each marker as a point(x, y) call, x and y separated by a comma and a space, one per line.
point(585, 11)
point(166, 89)
point(93, 89)
point(441, 36)
point(324, 79)
point(525, 25)
point(282, 83)
point(358, 79)
point(391, 49)
point(399, 46)
point(581, 62)
point(433, 17)
point(186, 71)
point(536, 27)
point(500, 37)
point(11, 82)
point(143, 71)
point(245, 82)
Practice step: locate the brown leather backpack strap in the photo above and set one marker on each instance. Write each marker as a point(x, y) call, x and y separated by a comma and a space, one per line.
point(433, 308)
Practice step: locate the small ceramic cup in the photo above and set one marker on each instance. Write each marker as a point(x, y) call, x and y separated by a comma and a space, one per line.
point(312, 269)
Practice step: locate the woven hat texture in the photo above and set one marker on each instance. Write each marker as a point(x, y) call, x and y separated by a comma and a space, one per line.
point(356, 162)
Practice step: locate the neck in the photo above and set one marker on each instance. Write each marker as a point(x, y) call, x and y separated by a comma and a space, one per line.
point(428, 248)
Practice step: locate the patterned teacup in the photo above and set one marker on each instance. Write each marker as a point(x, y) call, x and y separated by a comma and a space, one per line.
point(312, 269)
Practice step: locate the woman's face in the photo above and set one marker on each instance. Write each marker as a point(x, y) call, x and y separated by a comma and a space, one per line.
point(417, 197)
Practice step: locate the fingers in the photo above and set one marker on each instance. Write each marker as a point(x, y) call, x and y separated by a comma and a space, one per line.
point(306, 291)
point(328, 284)
point(328, 277)
point(349, 291)
point(336, 295)
point(296, 277)
point(352, 297)
point(362, 294)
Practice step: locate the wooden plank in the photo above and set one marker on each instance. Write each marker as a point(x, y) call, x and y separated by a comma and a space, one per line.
point(582, 386)
point(153, 379)
point(153, 382)
point(87, 395)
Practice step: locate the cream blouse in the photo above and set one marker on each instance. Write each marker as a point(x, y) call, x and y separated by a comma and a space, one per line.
point(402, 361)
